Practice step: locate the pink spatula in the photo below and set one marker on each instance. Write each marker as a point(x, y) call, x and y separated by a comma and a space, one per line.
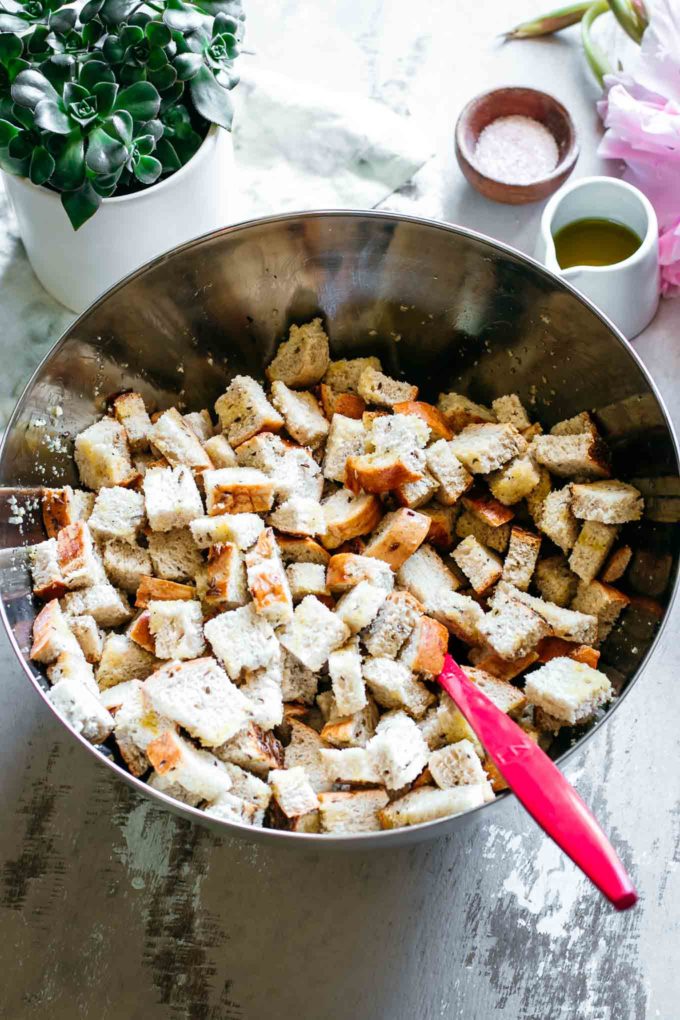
point(537, 782)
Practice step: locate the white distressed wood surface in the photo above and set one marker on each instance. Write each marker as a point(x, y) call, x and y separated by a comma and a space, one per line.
point(112, 909)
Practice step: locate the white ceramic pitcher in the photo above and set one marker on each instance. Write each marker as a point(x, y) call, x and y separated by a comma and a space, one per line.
point(628, 291)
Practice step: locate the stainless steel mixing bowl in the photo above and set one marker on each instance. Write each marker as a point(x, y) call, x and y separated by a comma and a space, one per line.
point(442, 305)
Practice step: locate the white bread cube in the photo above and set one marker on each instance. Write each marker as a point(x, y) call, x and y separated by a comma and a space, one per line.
point(521, 557)
point(510, 410)
point(79, 560)
point(177, 441)
point(578, 425)
point(81, 710)
point(89, 637)
point(348, 516)
point(102, 455)
point(353, 765)
point(313, 633)
point(572, 455)
point(602, 601)
point(136, 723)
point(267, 581)
point(469, 523)
point(237, 490)
point(504, 695)
point(554, 580)
point(303, 359)
point(358, 607)
point(424, 574)
point(351, 811)
point(383, 391)
point(306, 579)
point(174, 554)
point(427, 804)
point(243, 530)
point(351, 730)
point(183, 772)
point(416, 494)
point(293, 791)
point(567, 690)
point(51, 634)
point(304, 748)
point(592, 548)
point(130, 411)
point(393, 686)
point(426, 647)
point(346, 438)
point(73, 666)
point(456, 765)
point(557, 520)
point(118, 513)
point(393, 625)
point(292, 469)
point(608, 502)
point(383, 472)
point(122, 659)
point(398, 536)
point(105, 603)
point(201, 424)
point(247, 786)
point(398, 750)
point(61, 507)
point(427, 413)
point(265, 451)
point(262, 688)
point(177, 626)
point(172, 498)
point(343, 375)
point(459, 411)
point(511, 628)
point(299, 515)
point(244, 410)
point(301, 413)
point(126, 565)
point(220, 451)
point(515, 480)
point(482, 567)
point(397, 433)
point(254, 749)
point(229, 808)
point(345, 670)
point(48, 580)
point(199, 696)
point(241, 639)
point(298, 683)
point(580, 628)
point(345, 570)
point(487, 447)
point(225, 577)
point(452, 478)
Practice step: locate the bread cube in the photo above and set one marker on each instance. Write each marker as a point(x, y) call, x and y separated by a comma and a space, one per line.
point(155, 589)
point(226, 577)
point(61, 507)
point(73, 666)
point(429, 414)
point(393, 686)
point(172, 498)
point(348, 516)
point(602, 601)
point(126, 565)
point(452, 478)
point(510, 410)
point(299, 516)
point(301, 413)
point(199, 696)
point(306, 579)
point(177, 441)
point(578, 425)
point(102, 455)
point(51, 634)
point(353, 730)
point(254, 749)
point(347, 404)
point(177, 627)
point(353, 765)
point(348, 812)
point(569, 691)
point(345, 669)
point(314, 633)
point(454, 725)
point(292, 791)
point(397, 433)
point(512, 629)
point(557, 520)
point(535, 499)
point(592, 548)
point(468, 523)
point(343, 375)
point(78, 559)
point(184, 772)
point(262, 688)
point(89, 637)
point(442, 524)
point(459, 411)
point(346, 438)
point(565, 623)
point(426, 577)
point(304, 750)
point(244, 411)
point(298, 683)
point(515, 480)
point(267, 581)
point(118, 513)
point(398, 750)
point(359, 606)
point(242, 529)
point(108, 606)
point(415, 495)
point(229, 808)
point(425, 649)
point(431, 728)
point(554, 648)
point(345, 570)
point(572, 455)
point(136, 723)
point(456, 765)
point(220, 451)
point(427, 804)
point(174, 554)
point(608, 502)
point(481, 566)
point(48, 580)
point(241, 639)
point(237, 490)
point(487, 447)
point(554, 580)
point(301, 550)
point(521, 557)
point(130, 411)
point(247, 786)
point(504, 695)
point(393, 625)
point(379, 389)
point(397, 537)
point(381, 472)
point(303, 359)
point(617, 564)
point(81, 710)
point(122, 659)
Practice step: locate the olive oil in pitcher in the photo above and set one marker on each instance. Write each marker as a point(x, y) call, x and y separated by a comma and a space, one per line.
point(594, 242)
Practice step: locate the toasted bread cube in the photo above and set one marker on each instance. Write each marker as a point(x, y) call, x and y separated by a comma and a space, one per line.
point(359, 606)
point(442, 525)
point(186, 773)
point(485, 448)
point(130, 411)
point(569, 691)
point(346, 438)
point(118, 513)
point(535, 500)
point(504, 695)
point(267, 580)
point(592, 548)
point(515, 480)
point(122, 659)
point(567, 455)
point(299, 516)
point(424, 651)
point(242, 639)
point(48, 580)
point(61, 507)
point(353, 765)
point(578, 425)
point(345, 570)
point(347, 404)
point(512, 629)
point(427, 804)
point(177, 441)
point(453, 479)
point(126, 565)
point(381, 472)
point(108, 606)
point(177, 626)
point(102, 455)
point(351, 730)
point(602, 601)
point(426, 577)
point(608, 502)
point(81, 710)
point(304, 750)
point(393, 686)
point(398, 750)
point(510, 410)
point(343, 375)
point(220, 452)
point(292, 469)
point(293, 792)
point(468, 523)
point(136, 723)
point(398, 536)
point(172, 498)
point(153, 588)
point(503, 669)
point(352, 811)
point(306, 579)
point(89, 637)
point(244, 411)
point(456, 765)
point(521, 557)
point(459, 411)
point(303, 359)
point(74, 667)
point(139, 631)
point(301, 413)
point(199, 696)
point(237, 490)
point(554, 648)
point(554, 580)
point(226, 577)
point(253, 749)
point(77, 556)
point(348, 516)
point(481, 566)
point(428, 413)
point(345, 669)
point(393, 625)
point(298, 683)
point(557, 520)
point(243, 530)
point(313, 633)
point(487, 509)
point(262, 688)
point(382, 391)
point(580, 628)
point(617, 564)
point(416, 494)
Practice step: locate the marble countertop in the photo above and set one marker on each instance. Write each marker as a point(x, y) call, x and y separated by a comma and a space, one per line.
point(112, 908)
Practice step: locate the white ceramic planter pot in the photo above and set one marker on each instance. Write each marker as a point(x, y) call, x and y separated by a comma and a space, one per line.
point(77, 266)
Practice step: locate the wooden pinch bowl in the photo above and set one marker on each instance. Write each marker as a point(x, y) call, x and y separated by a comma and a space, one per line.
point(506, 102)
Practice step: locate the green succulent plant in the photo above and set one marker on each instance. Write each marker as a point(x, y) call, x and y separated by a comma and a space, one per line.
point(107, 98)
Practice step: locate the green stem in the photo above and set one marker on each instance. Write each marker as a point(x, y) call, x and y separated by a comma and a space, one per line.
point(549, 23)
point(595, 55)
point(629, 18)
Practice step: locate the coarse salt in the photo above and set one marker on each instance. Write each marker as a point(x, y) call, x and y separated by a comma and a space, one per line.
point(516, 150)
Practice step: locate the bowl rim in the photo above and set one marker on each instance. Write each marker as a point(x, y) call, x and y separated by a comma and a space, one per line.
point(388, 837)
point(562, 168)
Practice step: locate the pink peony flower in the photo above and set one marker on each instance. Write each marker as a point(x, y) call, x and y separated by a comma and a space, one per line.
point(641, 115)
